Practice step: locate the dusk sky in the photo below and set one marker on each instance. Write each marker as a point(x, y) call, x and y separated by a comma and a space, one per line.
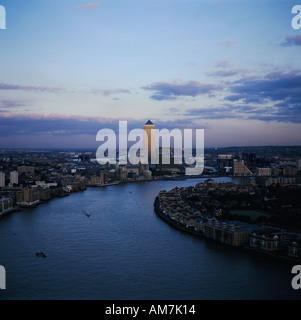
point(69, 68)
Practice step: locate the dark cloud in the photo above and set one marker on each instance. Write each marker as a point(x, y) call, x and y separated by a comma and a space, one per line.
point(170, 91)
point(292, 41)
point(274, 97)
point(35, 124)
point(5, 86)
point(161, 97)
point(277, 86)
point(62, 126)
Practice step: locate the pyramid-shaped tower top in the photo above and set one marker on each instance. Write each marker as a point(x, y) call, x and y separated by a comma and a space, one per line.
point(149, 123)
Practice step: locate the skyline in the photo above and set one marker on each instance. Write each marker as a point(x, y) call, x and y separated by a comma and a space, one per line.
point(72, 68)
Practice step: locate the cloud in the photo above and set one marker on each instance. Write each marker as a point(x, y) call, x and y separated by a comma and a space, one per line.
point(88, 5)
point(10, 104)
point(273, 97)
point(222, 64)
point(275, 86)
point(170, 91)
point(292, 41)
point(50, 124)
point(229, 111)
point(228, 73)
point(5, 86)
point(227, 43)
point(277, 95)
point(209, 113)
point(108, 92)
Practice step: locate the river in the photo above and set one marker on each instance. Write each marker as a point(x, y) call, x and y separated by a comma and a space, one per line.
point(125, 251)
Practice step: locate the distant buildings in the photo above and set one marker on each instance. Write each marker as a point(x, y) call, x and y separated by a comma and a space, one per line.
point(290, 171)
point(239, 168)
point(14, 177)
point(263, 171)
point(2, 179)
point(240, 164)
point(227, 165)
point(224, 163)
point(29, 170)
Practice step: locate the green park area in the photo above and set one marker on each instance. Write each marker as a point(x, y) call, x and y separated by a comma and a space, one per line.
point(252, 214)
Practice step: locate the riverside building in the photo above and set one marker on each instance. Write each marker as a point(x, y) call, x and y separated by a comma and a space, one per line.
point(233, 233)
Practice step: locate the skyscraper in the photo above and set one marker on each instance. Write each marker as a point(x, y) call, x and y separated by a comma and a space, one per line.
point(149, 144)
point(2, 179)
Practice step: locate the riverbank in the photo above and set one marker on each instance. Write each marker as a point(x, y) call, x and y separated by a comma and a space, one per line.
point(9, 211)
point(174, 223)
point(157, 178)
point(243, 248)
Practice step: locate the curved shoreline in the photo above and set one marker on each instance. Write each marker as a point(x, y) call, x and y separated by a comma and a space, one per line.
point(175, 224)
point(246, 249)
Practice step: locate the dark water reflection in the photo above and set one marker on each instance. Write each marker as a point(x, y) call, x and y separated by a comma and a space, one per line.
point(124, 251)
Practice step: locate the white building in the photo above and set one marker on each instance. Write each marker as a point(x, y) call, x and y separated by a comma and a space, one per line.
point(45, 185)
point(2, 179)
point(14, 177)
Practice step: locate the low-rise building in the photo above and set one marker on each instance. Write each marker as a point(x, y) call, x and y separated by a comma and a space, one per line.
point(263, 171)
point(97, 180)
point(294, 249)
point(233, 233)
point(265, 240)
point(44, 194)
point(30, 195)
point(6, 204)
